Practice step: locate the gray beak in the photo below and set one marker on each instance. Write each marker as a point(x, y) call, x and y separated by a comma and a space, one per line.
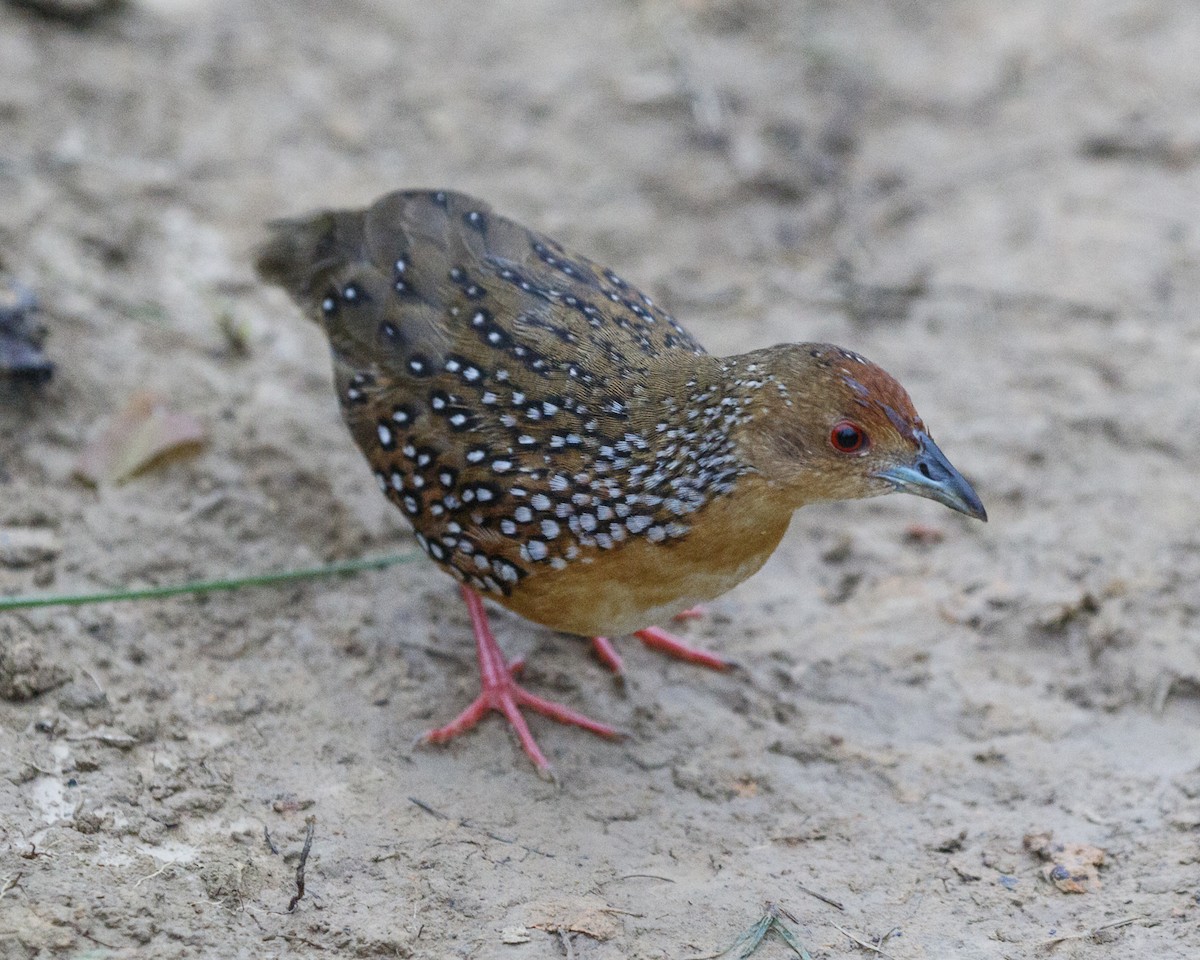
point(932, 475)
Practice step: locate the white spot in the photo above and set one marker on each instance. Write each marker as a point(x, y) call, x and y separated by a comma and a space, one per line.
point(476, 456)
point(502, 466)
point(536, 550)
point(550, 529)
point(385, 435)
point(523, 514)
point(540, 501)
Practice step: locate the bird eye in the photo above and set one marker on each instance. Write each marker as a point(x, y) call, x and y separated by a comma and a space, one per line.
point(848, 437)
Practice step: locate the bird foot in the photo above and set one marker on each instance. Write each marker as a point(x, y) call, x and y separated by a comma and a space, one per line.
point(658, 639)
point(500, 692)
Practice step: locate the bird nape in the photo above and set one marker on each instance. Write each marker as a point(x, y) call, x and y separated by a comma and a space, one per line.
point(561, 445)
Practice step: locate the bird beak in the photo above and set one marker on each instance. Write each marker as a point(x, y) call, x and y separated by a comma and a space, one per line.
point(931, 475)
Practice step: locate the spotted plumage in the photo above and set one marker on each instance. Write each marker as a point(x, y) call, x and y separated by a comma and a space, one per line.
point(557, 440)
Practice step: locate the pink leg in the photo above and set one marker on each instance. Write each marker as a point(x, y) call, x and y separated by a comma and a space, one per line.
point(500, 691)
point(658, 639)
point(607, 654)
point(697, 612)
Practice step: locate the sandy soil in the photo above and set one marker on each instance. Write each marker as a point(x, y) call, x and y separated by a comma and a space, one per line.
point(998, 202)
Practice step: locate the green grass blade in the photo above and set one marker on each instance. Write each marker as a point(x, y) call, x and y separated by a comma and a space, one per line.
point(207, 586)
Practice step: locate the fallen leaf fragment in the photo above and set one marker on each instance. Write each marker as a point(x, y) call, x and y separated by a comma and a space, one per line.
point(514, 935)
point(586, 915)
point(143, 435)
point(1072, 867)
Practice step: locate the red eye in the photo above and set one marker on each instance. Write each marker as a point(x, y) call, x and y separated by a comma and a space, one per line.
point(848, 437)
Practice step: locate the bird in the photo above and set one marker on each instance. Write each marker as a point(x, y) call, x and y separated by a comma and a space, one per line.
point(561, 445)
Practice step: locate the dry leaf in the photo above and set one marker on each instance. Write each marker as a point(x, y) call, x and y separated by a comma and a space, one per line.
point(144, 434)
point(587, 915)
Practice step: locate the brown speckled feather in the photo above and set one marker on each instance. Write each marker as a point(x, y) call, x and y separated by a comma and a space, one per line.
point(486, 417)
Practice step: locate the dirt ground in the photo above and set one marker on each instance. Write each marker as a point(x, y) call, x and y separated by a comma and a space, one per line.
point(998, 202)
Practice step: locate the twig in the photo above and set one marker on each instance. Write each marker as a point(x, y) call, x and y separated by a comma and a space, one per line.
point(10, 883)
point(820, 896)
point(565, 940)
point(292, 938)
point(308, 839)
point(422, 805)
point(468, 825)
point(206, 586)
point(634, 876)
point(864, 944)
point(270, 843)
point(151, 876)
point(1124, 922)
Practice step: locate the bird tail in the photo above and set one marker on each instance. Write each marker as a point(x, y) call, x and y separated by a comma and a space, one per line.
point(300, 254)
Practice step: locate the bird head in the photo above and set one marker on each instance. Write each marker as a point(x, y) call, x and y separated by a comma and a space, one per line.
point(830, 425)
